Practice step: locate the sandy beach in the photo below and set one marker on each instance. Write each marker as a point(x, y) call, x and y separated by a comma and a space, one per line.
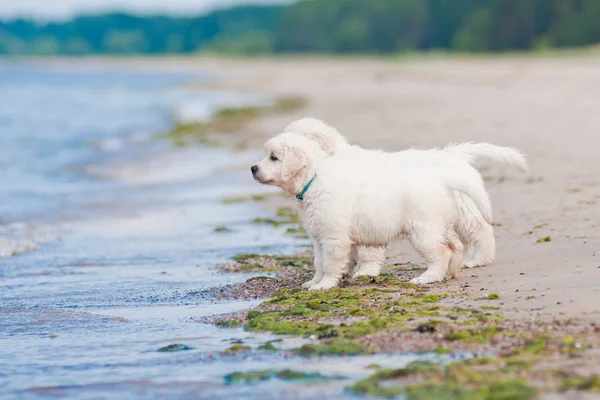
point(545, 106)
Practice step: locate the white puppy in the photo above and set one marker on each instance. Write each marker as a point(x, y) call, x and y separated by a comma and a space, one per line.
point(344, 203)
point(473, 225)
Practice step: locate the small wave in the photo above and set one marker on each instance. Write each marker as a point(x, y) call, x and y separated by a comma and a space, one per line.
point(193, 112)
point(170, 167)
point(201, 108)
point(20, 237)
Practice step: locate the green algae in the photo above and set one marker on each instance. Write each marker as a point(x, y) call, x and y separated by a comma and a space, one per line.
point(433, 298)
point(299, 312)
point(268, 221)
point(229, 120)
point(305, 313)
point(261, 278)
point(265, 263)
point(245, 257)
point(293, 261)
point(256, 267)
point(545, 239)
point(283, 216)
point(174, 348)
point(291, 375)
point(236, 348)
point(229, 323)
point(238, 112)
point(235, 200)
point(298, 233)
point(222, 229)
point(442, 350)
point(254, 377)
point(334, 348)
point(267, 346)
point(589, 384)
point(419, 381)
point(290, 103)
point(476, 335)
point(535, 346)
point(513, 389)
point(287, 212)
point(384, 279)
point(372, 386)
point(492, 308)
point(244, 199)
point(248, 377)
point(181, 129)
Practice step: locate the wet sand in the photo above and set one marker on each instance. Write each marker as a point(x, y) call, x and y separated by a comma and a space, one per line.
point(545, 106)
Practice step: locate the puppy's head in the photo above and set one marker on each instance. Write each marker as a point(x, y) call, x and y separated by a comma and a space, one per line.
point(287, 160)
point(327, 137)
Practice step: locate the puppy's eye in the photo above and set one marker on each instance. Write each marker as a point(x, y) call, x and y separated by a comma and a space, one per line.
point(273, 158)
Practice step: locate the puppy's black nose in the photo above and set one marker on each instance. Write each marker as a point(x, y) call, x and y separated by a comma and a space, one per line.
point(253, 168)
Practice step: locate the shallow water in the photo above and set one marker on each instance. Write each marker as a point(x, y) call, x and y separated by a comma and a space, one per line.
point(107, 233)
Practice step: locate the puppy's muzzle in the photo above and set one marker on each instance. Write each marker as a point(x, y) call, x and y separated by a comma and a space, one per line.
point(254, 170)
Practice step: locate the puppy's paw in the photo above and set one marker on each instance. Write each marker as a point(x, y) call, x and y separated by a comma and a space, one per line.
point(310, 283)
point(326, 283)
point(453, 273)
point(367, 270)
point(476, 263)
point(426, 279)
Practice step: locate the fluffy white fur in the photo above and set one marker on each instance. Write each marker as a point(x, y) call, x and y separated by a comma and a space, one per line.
point(474, 215)
point(371, 201)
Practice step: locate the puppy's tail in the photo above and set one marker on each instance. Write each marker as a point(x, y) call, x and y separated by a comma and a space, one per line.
point(471, 152)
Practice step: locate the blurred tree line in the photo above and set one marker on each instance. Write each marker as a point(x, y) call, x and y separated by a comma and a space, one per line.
point(321, 26)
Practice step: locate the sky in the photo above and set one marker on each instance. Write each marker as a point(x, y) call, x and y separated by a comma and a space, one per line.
point(63, 9)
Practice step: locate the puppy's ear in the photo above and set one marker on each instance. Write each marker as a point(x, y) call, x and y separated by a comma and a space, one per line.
point(324, 141)
point(294, 160)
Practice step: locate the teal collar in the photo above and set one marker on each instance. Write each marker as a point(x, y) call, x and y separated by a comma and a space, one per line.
point(300, 196)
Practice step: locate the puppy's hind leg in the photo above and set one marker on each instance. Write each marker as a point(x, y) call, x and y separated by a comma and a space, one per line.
point(432, 243)
point(456, 259)
point(318, 263)
point(475, 232)
point(370, 260)
point(469, 249)
point(484, 247)
point(335, 262)
point(353, 264)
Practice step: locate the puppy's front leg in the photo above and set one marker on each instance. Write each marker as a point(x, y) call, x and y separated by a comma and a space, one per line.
point(370, 260)
point(318, 263)
point(335, 262)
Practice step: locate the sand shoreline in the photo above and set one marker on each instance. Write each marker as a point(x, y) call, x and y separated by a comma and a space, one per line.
point(545, 106)
point(391, 105)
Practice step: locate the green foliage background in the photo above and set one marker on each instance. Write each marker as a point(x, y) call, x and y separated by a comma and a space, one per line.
point(320, 26)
